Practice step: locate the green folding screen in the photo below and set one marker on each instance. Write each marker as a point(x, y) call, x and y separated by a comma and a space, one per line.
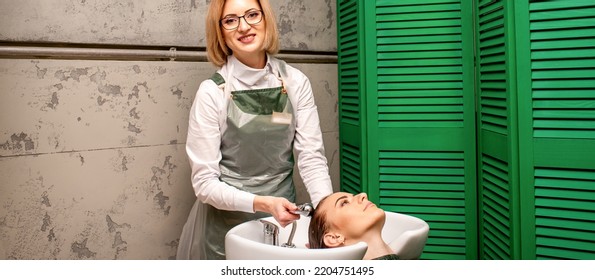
point(476, 116)
point(352, 111)
point(407, 114)
point(497, 129)
point(536, 89)
point(557, 59)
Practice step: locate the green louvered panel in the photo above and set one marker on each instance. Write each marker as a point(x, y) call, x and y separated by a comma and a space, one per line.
point(351, 169)
point(351, 110)
point(496, 213)
point(419, 60)
point(563, 68)
point(565, 213)
point(496, 235)
point(562, 43)
point(431, 186)
point(423, 92)
point(349, 66)
point(492, 78)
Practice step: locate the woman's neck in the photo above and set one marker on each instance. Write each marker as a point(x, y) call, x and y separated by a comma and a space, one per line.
point(377, 248)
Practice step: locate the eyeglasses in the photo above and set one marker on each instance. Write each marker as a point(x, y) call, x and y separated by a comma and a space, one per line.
point(251, 17)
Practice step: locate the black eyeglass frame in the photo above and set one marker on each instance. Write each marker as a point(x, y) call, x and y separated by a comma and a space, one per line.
point(244, 17)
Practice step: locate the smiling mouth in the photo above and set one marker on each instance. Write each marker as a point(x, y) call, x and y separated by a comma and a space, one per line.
point(247, 38)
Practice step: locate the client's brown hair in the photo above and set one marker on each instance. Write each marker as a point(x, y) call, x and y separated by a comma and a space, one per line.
point(317, 228)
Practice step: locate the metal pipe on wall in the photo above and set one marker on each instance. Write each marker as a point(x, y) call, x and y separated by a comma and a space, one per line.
point(139, 54)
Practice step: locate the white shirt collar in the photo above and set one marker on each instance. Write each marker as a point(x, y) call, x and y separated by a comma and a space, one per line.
point(248, 75)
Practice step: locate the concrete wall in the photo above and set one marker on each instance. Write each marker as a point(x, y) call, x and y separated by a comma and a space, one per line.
point(92, 158)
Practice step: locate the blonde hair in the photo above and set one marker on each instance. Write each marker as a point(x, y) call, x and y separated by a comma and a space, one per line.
point(217, 50)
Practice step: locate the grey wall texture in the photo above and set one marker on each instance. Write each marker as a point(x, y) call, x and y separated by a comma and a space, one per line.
point(92, 149)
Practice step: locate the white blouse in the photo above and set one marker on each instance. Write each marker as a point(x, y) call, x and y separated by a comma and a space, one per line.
point(207, 123)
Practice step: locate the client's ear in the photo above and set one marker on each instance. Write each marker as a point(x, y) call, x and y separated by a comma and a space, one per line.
point(333, 239)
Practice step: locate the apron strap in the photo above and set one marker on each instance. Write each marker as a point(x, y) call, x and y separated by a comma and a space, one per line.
point(218, 79)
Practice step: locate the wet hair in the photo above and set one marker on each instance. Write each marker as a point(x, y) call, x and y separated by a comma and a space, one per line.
point(318, 227)
point(217, 50)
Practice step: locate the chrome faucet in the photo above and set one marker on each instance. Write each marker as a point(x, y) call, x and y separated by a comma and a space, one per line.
point(271, 233)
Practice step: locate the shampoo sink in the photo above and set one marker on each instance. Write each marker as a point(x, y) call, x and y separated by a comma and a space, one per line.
point(405, 234)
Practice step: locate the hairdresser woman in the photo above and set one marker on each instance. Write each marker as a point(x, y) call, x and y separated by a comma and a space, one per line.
point(245, 123)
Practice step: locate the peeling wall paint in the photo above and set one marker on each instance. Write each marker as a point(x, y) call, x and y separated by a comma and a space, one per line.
point(54, 207)
point(143, 22)
point(73, 107)
point(92, 153)
point(307, 24)
point(303, 24)
point(77, 182)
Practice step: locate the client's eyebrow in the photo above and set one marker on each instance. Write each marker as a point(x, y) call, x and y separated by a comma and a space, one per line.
point(337, 201)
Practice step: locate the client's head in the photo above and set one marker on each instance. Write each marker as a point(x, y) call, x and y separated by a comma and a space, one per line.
point(344, 219)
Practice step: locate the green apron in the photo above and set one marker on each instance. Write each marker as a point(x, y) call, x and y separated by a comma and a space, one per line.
point(257, 157)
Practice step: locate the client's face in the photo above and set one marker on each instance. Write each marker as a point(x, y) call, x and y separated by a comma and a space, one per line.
point(354, 216)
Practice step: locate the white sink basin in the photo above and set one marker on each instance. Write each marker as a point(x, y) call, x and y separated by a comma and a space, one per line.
point(406, 234)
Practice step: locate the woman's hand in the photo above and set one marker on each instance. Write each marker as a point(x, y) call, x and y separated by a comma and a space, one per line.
point(279, 207)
